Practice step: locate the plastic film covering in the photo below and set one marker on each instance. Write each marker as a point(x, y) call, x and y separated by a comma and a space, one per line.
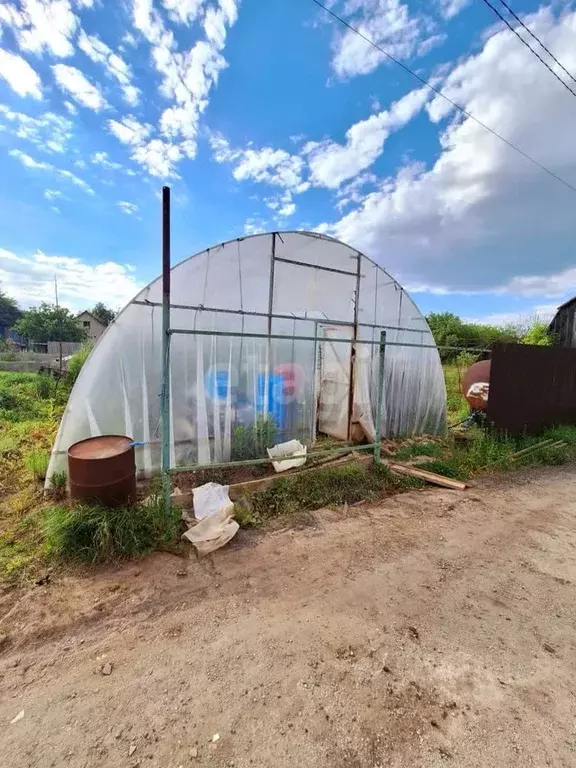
point(225, 388)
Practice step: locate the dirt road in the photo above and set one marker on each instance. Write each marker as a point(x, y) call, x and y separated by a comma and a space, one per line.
point(437, 629)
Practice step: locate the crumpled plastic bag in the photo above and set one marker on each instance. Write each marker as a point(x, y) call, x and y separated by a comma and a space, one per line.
point(292, 453)
point(214, 510)
point(209, 499)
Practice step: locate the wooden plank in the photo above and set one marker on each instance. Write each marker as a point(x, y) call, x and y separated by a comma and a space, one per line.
point(535, 447)
point(429, 477)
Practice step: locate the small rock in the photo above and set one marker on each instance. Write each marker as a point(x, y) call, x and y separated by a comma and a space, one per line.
point(182, 573)
point(3, 640)
point(131, 750)
point(414, 632)
point(193, 753)
point(106, 669)
point(434, 723)
point(215, 738)
point(387, 669)
point(18, 717)
point(549, 648)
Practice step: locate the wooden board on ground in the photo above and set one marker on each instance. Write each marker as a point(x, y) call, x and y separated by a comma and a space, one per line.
point(423, 474)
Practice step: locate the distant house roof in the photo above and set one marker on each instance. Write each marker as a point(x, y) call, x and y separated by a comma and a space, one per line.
point(85, 312)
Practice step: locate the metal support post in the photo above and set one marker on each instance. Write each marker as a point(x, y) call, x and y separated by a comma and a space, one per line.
point(380, 397)
point(165, 398)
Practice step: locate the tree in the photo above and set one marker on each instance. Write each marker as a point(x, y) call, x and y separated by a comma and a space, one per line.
point(103, 313)
point(49, 323)
point(449, 330)
point(538, 335)
point(9, 312)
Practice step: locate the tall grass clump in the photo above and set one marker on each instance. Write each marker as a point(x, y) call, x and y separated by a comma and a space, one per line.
point(37, 462)
point(92, 533)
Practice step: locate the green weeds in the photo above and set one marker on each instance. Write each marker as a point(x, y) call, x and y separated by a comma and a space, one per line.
point(95, 534)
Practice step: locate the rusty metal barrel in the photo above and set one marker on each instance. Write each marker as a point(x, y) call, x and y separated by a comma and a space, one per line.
point(103, 469)
point(476, 385)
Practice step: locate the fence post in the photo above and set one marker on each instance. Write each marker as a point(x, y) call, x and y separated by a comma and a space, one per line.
point(380, 396)
point(165, 399)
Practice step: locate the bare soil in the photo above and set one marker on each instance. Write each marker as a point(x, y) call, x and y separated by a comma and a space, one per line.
point(436, 629)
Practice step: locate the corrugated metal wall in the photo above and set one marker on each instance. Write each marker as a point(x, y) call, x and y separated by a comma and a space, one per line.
point(563, 326)
point(531, 388)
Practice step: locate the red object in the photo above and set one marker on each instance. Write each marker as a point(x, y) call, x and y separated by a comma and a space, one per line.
point(293, 376)
point(476, 385)
point(103, 469)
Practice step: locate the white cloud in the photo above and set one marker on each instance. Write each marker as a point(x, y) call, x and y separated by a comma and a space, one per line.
point(254, 227)
point(43, 26)
point(187, 76)
point(554, 285)
point(102, 159)
point(387, 23)
point(183, 11)
point(481, 215)
point(30, 279)
point(353, 191)
point(52, 194)
point(79, 87)
point(19, 75)
point(49, 131)
point(127, 207)
point(429, 43)
point(159, 158)
point(332, 163)
point(451, 8)
point(129, 130)
point(72, 109)
point(30, 162)
point(267, 165)
point(115, 66)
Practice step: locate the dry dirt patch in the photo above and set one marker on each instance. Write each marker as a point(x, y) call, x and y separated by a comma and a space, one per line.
point(435, 629)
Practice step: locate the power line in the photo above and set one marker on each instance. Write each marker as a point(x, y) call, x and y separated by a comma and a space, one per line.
point(527, 44)
point(440, 93)
point(548, 51)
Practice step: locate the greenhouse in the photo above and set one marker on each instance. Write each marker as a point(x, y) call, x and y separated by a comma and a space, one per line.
point(272, 337)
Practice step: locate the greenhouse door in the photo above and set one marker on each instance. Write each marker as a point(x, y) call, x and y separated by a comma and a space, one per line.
point(333, 380)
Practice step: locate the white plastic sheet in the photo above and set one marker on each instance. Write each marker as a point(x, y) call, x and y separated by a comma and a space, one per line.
point(214, 510)
point(288, 455)
point(222, 387)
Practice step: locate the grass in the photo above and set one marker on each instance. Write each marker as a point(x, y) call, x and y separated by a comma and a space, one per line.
point(37, 462)
point(29, 416)
point(456, 404)
point(96, 534)
point(326, 486)
point(430, 448)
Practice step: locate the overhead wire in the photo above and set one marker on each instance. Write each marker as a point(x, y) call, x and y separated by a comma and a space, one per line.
point(513, 29)
point(548, 51)
point(440, 93)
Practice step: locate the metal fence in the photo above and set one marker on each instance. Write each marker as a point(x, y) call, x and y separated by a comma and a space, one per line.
point(531, 388)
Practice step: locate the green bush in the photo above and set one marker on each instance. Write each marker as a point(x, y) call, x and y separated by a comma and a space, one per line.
point(44, 387)
point(77, 361)
point(93, 533)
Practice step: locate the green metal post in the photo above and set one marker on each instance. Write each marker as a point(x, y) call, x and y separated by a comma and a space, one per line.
point(165, 399)
point(380, 397)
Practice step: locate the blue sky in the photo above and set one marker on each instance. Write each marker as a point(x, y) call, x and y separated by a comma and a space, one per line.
point(270, 115)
